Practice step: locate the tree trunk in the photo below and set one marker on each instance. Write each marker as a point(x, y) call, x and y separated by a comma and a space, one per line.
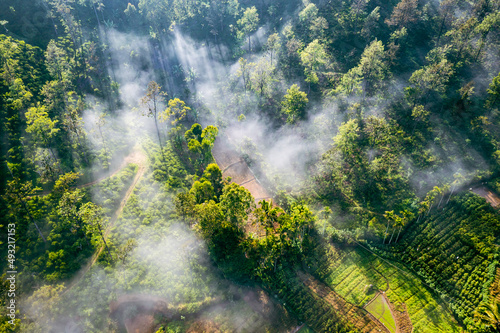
point(390, 240)
point(104, 146)
point(104, 241)
point(386, 232)
point(400, 228)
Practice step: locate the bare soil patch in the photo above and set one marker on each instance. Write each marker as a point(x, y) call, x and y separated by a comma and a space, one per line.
point(489, 195)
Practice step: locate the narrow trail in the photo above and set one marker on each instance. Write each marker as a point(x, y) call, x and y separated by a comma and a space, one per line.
point(139, 158)
point(116, 215)
point(232, 165)
point(135, 156)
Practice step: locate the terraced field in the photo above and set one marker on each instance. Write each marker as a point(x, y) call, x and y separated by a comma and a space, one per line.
point(357, 275)
point(453, 250)
point(379, 307)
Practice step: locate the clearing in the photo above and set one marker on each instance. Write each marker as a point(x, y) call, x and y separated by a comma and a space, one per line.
point(380, 309)
point(489, 195)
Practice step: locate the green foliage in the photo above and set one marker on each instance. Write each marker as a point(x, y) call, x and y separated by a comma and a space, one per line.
point(294, 104)
point(365, 155)
point(200, 142)
point(314, 59)
point(452, 250)
point(248, 23)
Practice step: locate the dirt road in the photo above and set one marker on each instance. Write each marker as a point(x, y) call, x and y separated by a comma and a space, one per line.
point(232, 165)
point(486, 193)
point(139, 158)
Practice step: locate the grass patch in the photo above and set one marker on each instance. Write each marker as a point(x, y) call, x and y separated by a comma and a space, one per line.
point(380, 310)
point(357, 275)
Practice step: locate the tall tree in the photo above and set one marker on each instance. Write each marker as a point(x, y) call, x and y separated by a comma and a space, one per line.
point(244, 70)
point(273, 45)
point(262, 77)
point(405, 14)
point(314, 58)
point(176, 111)
point(94, 219)
point(151, 102)
point(248, 23)
point(43, 129)
point(294, 104)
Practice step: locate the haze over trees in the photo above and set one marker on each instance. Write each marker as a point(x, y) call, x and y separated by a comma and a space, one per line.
point(204, 152)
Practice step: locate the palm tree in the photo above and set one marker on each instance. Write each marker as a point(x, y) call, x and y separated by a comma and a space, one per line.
point(489, 315)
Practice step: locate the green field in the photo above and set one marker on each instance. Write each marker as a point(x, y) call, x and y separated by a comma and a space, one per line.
point(380, 310)
point(357, 275)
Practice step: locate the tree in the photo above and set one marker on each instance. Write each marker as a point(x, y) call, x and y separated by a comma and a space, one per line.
point(273, 45)
point(73, 123)
point(489, 315)
point(368, 74)
point(151, 103)
point(43, 129)
point(244, 71)
point(68, 209)
point(372, 65)
point(430, 78)
point(58, 64)
point(404, 14)
point(40, 125)
point(202, 191)
point(100, 123)
point(294, 104)
point(406, 216)
point(8, 61)
point(236, 202)
point(292, 229)
point(185, 203)
point(267, 215)
point(249, 22)
point(93, 216)
point(200, 141)
point(494, 91)
point(44, 304)
point(309, 13)
point(214, 175)
point(16, 194)
point(313, 58)
point(175, 112)
point(261, 77)
point(390, 217)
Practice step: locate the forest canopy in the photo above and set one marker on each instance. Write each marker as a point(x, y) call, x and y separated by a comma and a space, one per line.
point(240, 165)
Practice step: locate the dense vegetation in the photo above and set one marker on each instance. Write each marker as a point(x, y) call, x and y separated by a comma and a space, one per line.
point(364, 120)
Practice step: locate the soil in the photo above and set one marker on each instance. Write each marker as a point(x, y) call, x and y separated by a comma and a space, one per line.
point(232, 165)
point(486, 193)
point(361, 319)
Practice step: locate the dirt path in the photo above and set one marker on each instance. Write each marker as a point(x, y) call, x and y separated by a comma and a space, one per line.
point(232, 165)
point(139, 158)
point(135, 156)
point(486, 193)
point(116, 215)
